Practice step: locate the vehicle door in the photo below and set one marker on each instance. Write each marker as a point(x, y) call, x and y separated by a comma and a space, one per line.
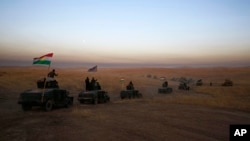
point(100, 96)
point(59, 96)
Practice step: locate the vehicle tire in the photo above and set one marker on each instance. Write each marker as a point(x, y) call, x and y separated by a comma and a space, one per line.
point(67, 103)
point(26, 107)
point(71, 100)
point(82, 101)
point(95, 101)
point(48, 105)
point(139, 95)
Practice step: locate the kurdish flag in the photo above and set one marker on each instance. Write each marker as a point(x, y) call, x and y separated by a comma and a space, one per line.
point(43, 60)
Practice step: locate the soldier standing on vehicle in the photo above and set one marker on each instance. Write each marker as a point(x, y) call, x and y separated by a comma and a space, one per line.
point(98, 86)
point(51, 81)
point(92, 83)
point(165, 84)
point(87, 84)
point(52, 74)
point(130, 86)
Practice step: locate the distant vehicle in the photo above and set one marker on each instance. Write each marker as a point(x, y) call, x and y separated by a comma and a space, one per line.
point(199, 82)
point(130, 94)
point(47, 95)
point(165, 89)
point(227, 83)
point(183, 86)
point(47, 98)
point(95, 97)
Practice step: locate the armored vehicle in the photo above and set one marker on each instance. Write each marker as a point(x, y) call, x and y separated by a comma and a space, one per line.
point(183, 86)
point(47, 95)
point(94, 96)
point(199, 82)
point(46, 98)
point(130, 94)
point(227, 83)
point(165, 90)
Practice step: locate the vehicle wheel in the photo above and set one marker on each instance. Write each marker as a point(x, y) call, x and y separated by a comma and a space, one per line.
point(95, 101)
point(139, 95)
point(48, 105)
point(67, 103)
point(26, 107)
point(82, 101)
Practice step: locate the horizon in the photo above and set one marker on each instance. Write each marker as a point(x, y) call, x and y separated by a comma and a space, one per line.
point(116, 65)
point(126, 33)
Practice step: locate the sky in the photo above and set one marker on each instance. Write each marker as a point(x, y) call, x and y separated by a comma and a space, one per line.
point(126, 32)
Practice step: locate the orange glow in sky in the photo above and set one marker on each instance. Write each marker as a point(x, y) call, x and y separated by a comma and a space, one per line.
point(208, 32)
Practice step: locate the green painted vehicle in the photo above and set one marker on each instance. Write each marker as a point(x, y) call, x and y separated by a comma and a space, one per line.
point(165, 90)
point(130, 94)
point(48, 95)
point(46, 98)
point(228, 82)
point(94, 97)
point(199, 82)
point(183, 86)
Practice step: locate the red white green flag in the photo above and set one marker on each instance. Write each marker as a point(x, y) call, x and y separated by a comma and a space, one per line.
point(43, 60)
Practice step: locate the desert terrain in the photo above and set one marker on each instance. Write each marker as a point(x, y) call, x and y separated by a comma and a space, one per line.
point(203, 113)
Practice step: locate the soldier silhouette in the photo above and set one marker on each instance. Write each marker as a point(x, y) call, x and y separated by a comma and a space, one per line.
point(87, 84)
point(52, 74)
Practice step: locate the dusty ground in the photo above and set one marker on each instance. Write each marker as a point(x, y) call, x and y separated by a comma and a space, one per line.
point(204, 113)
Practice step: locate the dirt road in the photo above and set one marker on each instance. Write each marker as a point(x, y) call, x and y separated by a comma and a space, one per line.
point(119, 120)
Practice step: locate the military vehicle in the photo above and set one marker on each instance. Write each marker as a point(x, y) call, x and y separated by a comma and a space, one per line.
point(130, 94)
point(94, 96)
point(227, 83)
point(183, 86)
point(47, 96)
point(48, 84)
point(165, 89)
point(199, 82)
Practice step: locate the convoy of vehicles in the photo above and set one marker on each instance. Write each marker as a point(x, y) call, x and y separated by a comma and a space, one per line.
point(48, 95)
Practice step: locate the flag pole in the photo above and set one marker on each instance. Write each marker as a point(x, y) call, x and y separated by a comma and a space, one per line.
point(44, 85)
point(43, 60)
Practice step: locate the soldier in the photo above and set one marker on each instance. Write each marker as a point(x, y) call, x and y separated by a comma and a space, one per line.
point(51, 81)
point(130, 86)
point(211, 83)
point(165, 84)
point(87, 83)
point(92, 84)
point(52, 74)
point(98, 86)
